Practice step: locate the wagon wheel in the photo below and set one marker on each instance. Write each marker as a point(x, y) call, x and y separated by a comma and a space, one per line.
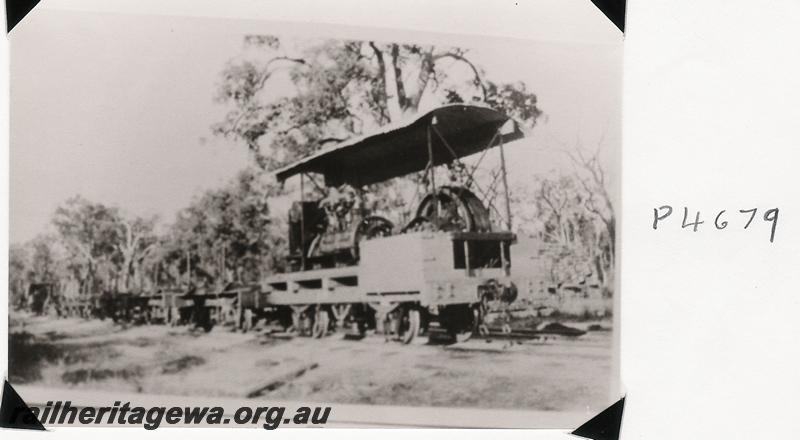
point(174, 316)
point(462, 322)
point(358, 328)
point(206, 325)
point(285, 319)
point(409, 326)
point(246, 320)
point(302, 322)
point(477, 319)
point(202, 317)
point(321, 322)
point(306, 324)
point(115, 317)
point(229, 314)
point(402, 324)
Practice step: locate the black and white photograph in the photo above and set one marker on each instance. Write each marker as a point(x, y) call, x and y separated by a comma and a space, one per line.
point(362, 217)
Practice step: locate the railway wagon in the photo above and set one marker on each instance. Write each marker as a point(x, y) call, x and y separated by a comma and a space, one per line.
point(444, 267)
point(118, 306)
point(74, 305)
point(173, 307)
point(199, 308)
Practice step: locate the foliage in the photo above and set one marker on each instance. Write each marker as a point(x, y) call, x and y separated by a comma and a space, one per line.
point(573, 213)
point(102, 245)
point(18, 271)
point(344, 88)
point(226, 234)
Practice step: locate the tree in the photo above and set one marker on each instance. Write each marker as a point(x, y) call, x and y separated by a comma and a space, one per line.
point(105, 247)
point(227, 234)
point(18, 272)
point(44, 261)
point(597, 199)
point(89, 232)
point(345, 88)
point(136, 241)
point(552, 208)
point(573, 211)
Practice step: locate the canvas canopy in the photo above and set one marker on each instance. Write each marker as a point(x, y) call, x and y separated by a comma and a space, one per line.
point(403, 149)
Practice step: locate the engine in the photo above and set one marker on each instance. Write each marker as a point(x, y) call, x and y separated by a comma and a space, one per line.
point(327, 232)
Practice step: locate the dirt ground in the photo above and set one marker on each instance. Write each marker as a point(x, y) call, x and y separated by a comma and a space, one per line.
point(556, 374)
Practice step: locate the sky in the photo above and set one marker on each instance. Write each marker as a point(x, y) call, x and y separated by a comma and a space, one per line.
point(118, 107)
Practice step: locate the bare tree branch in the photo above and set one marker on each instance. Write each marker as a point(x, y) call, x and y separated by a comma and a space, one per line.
point(268, 73)
point(458, 56)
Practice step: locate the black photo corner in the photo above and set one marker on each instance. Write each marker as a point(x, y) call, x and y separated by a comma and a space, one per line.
point(15, 413)
point(614, 10)
point(16, 10)
point(604, 426)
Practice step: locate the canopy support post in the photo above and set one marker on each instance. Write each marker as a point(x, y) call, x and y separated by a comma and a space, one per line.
point(505, 180)
point(302, 223)
point(224, 269)
point(189, 267)
point(433, 174)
